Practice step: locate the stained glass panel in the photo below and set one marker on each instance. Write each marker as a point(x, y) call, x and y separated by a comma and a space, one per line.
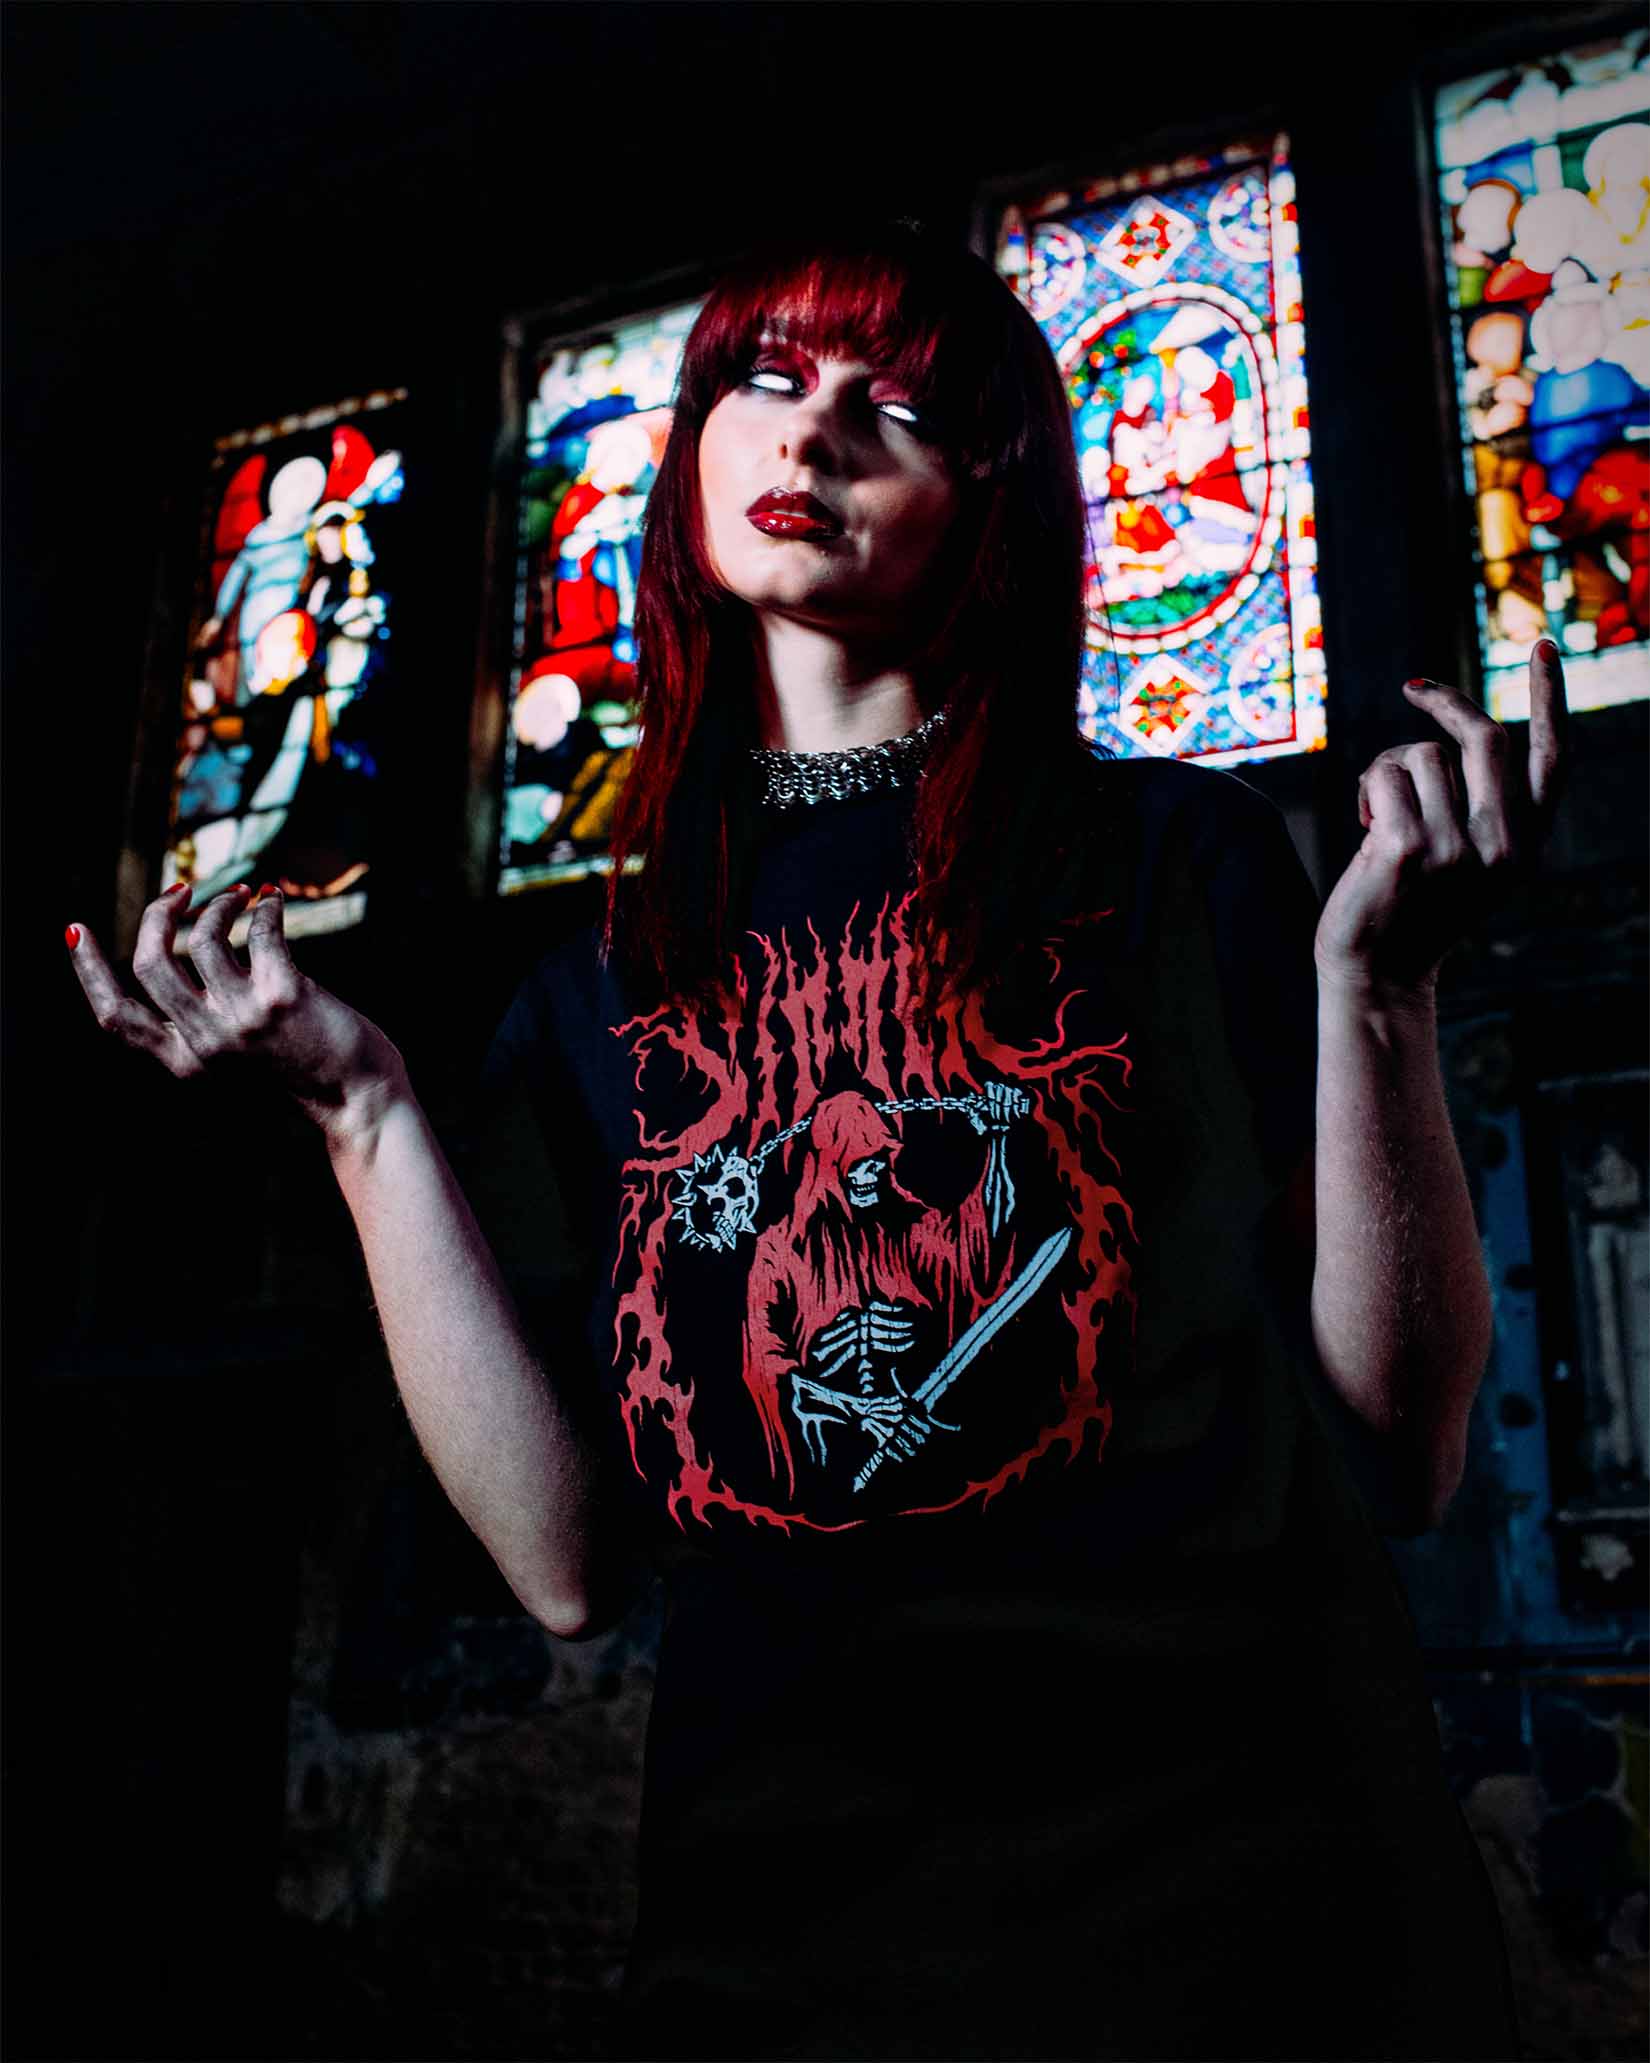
point(1544, 188)
point(597, 421)
point(278, 724)
point(1172, 299)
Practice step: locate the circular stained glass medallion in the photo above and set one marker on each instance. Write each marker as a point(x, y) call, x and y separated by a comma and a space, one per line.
point(1172, 392)
point(1240, 218)
point(1059, 261)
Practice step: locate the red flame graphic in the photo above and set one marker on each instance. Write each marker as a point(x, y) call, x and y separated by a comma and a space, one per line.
point(804, 1015)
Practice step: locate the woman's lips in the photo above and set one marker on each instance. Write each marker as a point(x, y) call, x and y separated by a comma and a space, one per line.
point(781, 514)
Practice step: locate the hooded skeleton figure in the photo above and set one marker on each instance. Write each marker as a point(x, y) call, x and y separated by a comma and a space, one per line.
point(836, 1287)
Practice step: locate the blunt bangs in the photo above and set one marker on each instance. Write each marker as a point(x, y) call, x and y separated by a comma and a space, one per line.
point(1004, 823)
point(933, 319)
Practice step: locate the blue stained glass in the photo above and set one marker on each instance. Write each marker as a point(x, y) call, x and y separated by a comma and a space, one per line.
point(596, 427)
point(1544, 170)
point(1172, 300)
point(290, 657)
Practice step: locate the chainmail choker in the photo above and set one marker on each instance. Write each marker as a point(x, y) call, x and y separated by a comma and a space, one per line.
point(790, 778)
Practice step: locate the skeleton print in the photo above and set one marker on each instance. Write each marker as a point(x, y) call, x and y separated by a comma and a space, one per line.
point(887, 1243)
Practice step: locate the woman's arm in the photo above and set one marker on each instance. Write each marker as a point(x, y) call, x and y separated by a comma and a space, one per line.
point(1400, 1299)
point(1401, 1313)
point(486, 1414)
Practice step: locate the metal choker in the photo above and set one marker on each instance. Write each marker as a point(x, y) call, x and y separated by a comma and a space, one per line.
point(789, 778)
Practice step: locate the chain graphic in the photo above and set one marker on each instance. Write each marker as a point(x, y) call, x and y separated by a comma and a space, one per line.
point(716, 1196)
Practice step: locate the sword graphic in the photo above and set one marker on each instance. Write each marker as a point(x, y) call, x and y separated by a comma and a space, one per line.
point(918, 1422)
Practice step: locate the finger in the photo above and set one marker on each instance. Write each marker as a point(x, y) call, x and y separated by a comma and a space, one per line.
point(1486, 750)
point(132, 1023)
point(1431, 770)
point(213, 960)
point(1396, 829)
point(1549, 731)
point(155, 965)
point(273, 974)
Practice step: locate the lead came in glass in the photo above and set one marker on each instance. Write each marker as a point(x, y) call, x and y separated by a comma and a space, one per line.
point(1544, 193)
point(1172, 299)
point(597, 421)
point(289, 659)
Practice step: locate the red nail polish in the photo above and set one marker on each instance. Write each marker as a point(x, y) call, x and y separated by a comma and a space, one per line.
point(71, 937)
point(269, 888)
point(1418, 684)
point(178, 887)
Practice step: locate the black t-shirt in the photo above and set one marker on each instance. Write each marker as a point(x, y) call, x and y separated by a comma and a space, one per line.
point(1033, 1681)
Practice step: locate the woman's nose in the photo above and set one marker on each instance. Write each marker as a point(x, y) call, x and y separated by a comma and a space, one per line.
point(812, 434)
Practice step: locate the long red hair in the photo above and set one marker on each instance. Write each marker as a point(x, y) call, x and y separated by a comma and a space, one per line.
point(1004, 813)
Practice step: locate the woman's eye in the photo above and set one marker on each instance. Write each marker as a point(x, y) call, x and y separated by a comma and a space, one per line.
point(916, 422)
point(774, 379)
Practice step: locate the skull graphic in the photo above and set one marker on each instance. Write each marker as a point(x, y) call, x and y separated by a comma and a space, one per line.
point(716, 1200)
point(865, 1183)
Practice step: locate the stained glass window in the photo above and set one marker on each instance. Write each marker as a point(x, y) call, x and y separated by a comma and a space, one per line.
point(1172, 299)
point(1544, 185)
point(596, 425)
point(289, 657)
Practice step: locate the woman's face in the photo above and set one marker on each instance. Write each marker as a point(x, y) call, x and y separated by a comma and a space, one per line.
point(835, 430)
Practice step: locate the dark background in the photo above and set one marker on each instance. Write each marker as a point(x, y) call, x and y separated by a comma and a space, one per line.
point(215, 214)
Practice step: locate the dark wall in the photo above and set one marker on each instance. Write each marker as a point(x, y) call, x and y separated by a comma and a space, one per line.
point(216, 214)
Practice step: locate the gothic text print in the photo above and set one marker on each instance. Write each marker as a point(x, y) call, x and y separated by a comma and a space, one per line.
point(870, 1264)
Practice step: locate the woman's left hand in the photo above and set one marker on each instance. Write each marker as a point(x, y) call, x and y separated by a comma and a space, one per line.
point(1445, 840)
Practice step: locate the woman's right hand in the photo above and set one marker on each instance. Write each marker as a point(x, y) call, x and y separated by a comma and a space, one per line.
point(266, 1018)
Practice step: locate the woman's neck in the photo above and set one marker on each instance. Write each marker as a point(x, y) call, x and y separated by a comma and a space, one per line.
point(814, 693)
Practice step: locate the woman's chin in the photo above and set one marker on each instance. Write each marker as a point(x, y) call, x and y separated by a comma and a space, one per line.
point(836, 595)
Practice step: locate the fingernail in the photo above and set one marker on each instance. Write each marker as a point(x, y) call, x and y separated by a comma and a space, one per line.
point(71, 937)
point(1418, 684)
point(178, 888)
point(269, 888)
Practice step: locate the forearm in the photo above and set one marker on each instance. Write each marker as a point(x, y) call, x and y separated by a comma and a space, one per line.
point(1401, 1312)
point(486, 1415)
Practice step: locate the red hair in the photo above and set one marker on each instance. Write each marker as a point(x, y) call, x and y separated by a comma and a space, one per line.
point(1004, 814)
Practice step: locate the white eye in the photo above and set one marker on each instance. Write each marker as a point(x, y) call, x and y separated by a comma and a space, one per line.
point(771, 382)
point(900, 412)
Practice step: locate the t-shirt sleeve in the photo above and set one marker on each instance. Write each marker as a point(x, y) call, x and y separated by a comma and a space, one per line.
point(1263, 911)
point(530, 1168)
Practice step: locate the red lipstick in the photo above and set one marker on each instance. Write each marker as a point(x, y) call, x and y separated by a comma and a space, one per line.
point(784, 514)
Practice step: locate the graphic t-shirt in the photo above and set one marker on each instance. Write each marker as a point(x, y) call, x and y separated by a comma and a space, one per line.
point(1033, 1682)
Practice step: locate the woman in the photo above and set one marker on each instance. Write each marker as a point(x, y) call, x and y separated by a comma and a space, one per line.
point(1018, 1215)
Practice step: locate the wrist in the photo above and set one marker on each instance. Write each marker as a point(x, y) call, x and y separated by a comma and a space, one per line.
point(1358, 991)
point(352, 1121)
